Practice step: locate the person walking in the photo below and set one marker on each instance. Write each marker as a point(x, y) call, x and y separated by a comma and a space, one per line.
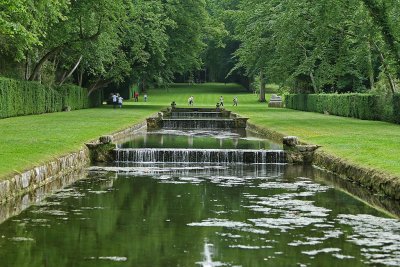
point(221, 101)
point(235, 101)
point(120, 99)
point(145, 97)
point(114, 100)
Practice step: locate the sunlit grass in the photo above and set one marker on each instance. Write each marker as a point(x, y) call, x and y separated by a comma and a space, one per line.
point(31, 140)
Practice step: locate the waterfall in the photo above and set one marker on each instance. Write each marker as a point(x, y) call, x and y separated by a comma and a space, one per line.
point(198, 123)
point(196, 114)
point(220, 156)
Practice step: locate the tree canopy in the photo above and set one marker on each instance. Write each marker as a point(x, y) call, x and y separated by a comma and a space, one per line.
point(305, 46)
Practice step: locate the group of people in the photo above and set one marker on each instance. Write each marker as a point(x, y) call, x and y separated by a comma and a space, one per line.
point(116, 100)
point(221, 101)
point(219, 104)
point(136, 96)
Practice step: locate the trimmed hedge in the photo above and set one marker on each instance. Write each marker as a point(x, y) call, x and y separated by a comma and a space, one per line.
point(396, 108)
point(18, 98)
point(361, 106)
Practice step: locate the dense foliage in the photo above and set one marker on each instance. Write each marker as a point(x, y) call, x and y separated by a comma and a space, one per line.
point(321, 46)
point(304, 46)
point(95, 43)
point(19, 98)
point(361, 106)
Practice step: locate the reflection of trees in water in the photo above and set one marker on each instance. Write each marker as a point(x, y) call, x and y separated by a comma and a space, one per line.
point(145, 220)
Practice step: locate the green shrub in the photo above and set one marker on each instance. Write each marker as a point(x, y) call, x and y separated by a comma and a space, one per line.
point(18, 98)
point(361, 106)
point(396, 108)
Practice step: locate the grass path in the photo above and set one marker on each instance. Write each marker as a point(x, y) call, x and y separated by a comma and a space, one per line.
point(31, 140)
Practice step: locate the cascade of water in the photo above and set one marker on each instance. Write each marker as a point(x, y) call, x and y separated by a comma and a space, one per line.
point(220, 156)
point(216, 123)
point(195, 114)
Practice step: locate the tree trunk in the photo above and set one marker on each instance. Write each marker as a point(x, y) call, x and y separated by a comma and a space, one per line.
point(72, 71)
point(54, 50)
point(386, 69)
point(39, 65)
point(80, 77)
point(97, 85)
point(262, 88)
point(380, 16)
point(370, 68)
point(27, 66)
point(314, 85)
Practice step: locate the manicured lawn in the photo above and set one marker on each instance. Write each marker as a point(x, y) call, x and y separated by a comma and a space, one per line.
point(31, 140)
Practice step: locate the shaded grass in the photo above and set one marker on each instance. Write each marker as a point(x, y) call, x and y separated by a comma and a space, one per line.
point(31, 140)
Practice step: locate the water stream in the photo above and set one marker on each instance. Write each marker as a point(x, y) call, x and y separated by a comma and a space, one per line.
point(181, 213)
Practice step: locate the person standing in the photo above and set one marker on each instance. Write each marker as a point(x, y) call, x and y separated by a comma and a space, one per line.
point(145, 97)
point(221, 101)
point(114, 100)
point(120, 99)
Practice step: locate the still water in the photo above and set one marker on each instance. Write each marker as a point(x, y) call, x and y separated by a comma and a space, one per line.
point(141, 214)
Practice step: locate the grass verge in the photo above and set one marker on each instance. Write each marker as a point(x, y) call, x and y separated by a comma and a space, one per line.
point(31, 140)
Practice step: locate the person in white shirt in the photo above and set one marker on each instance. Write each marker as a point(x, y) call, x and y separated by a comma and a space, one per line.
point(114, 100)
point(120, 99)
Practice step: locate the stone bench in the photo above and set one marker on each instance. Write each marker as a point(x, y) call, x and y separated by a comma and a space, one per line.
point(275, 101)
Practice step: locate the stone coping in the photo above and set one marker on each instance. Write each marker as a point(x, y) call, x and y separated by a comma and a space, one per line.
point(36, 177)
point(376, 181)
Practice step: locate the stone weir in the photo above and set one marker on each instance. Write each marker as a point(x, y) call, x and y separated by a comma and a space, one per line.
point(218, 156)
point(201, 123)
point(196, 118)
point(196, 114)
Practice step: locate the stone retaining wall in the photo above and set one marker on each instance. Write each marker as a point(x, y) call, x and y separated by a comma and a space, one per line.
point(61, 167)
point(16, 205)
point(376, 181)
point(41, 175)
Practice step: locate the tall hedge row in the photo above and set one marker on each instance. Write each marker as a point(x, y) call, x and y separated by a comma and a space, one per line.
point(361, 106)
point(396, 108)
point(19, 98)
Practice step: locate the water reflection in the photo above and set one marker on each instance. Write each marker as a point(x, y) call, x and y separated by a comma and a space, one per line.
point(174, 215)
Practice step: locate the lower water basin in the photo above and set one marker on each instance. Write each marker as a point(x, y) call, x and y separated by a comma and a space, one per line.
point(201, 215)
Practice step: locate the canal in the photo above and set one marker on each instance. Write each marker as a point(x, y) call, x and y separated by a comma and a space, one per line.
point(181, 211)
